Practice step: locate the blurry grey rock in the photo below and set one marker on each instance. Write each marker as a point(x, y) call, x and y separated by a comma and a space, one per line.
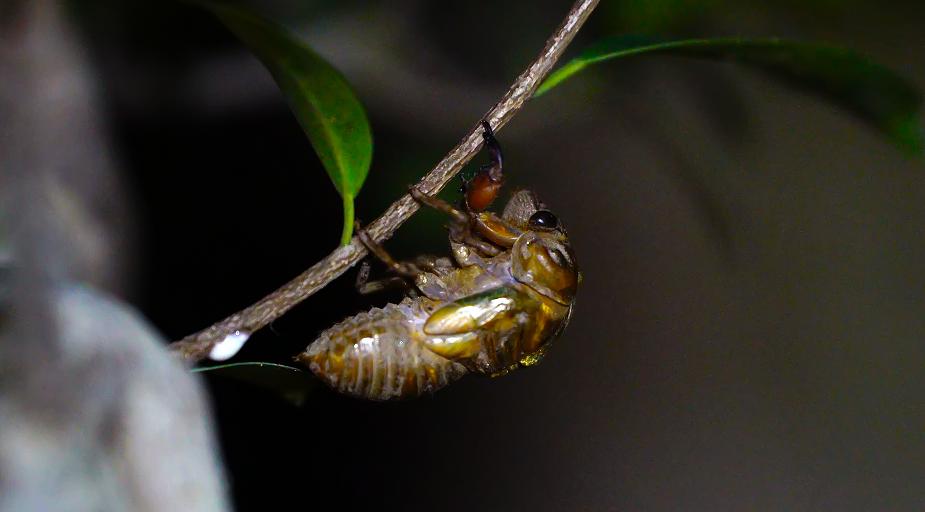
point(113, 424)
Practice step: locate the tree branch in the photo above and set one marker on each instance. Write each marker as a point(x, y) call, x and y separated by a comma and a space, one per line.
point(235, 329)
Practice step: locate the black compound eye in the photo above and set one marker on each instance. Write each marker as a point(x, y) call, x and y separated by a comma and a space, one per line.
point(544, 219)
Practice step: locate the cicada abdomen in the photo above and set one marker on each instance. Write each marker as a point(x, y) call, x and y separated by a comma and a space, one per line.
point(379, 355)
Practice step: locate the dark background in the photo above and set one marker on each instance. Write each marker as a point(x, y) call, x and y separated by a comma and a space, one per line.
point(750, 333)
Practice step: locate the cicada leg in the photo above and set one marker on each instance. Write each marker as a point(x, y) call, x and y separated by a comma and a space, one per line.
point(366, 287)
point(494, 150)
point(406, 269)
point(424, 272)
point(461, 229)
point(484, 187)
point(440, 205)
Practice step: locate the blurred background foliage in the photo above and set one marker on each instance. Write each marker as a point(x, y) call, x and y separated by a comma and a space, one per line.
point(750, 330)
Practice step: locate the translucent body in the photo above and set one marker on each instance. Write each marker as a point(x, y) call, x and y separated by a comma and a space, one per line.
point(379, 355)
point(478, 314)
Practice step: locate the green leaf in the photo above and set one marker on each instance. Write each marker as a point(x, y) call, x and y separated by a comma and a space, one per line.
point(876, 94)
point(292, 384)
point(321, 99)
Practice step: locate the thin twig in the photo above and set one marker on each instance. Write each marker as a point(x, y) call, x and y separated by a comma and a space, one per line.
point(197, 346)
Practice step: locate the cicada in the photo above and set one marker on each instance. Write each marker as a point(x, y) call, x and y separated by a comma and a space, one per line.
point(495, 306)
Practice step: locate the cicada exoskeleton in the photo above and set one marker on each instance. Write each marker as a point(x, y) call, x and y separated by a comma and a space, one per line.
point(495, 306)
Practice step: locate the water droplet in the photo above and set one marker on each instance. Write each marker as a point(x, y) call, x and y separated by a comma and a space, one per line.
point(228, 347)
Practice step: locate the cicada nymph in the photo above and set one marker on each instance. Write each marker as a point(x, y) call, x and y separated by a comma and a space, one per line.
point(507, 291)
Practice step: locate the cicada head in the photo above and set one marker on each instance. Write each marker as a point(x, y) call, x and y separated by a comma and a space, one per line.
point(542, 257)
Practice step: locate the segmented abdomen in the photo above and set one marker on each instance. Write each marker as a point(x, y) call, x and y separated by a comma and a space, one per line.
point(378, 355)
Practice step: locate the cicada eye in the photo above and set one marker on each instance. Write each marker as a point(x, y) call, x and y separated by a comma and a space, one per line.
point(544, 219)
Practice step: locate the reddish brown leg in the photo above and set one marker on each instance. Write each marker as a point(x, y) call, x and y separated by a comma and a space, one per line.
point(484, 187)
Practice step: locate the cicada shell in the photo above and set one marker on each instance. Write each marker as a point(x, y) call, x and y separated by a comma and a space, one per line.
point(496, 307)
